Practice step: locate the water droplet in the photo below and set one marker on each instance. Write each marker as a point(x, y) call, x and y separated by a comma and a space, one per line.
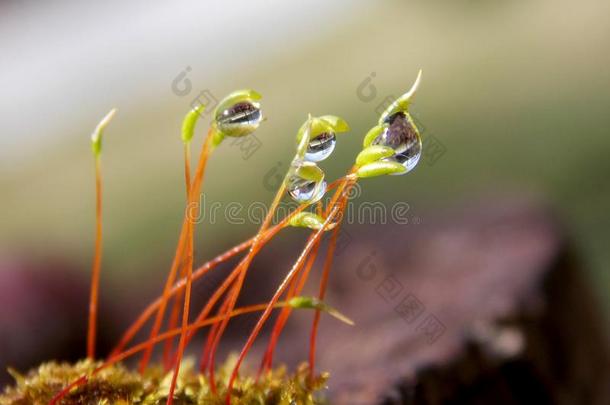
point(401, 135)
point(306, 190)
point(320, 147)
point(240, 119)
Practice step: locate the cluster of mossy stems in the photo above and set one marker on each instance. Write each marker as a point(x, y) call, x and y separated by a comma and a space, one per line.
point(370, 162)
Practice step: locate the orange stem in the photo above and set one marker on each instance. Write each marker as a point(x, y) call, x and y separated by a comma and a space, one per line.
point(173, 320)
point(283, 317)
point(147, 313)
point(205, 354)
point(192, 194)
point(97, 263)
point(164, 298)
point(178, 287)
point(242, 268)
point(185, 317)
point(267, 236)
point(294, 289)
point(183, 240)
point(173, 323)
point(215, 335)
point(274, 299)
point(323, 283)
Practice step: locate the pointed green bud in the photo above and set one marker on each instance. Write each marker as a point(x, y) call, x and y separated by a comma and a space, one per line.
point(372, 135)
point(337, 124)
point(303, 141)
point(309, 220)
point(324, 124)
point(96, 136)
point(308, 171)
point(316, 139)
point(189, 122)
point(380, 168)
point(401, 104)
point(315, 303)
point(373, 153)
point(236, 97)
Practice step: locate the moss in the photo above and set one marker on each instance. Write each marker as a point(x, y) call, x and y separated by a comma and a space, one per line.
point(119, 386)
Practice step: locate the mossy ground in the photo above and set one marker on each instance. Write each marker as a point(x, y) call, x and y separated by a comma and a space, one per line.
point(120, 386)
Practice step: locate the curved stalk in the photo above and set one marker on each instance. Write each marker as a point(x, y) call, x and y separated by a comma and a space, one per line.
point(96, 147)
point(182, 244)
point(97, 262)
point(175, 313)
point(309, 246)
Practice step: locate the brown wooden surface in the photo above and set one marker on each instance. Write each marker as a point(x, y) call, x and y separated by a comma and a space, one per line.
point(482, 305)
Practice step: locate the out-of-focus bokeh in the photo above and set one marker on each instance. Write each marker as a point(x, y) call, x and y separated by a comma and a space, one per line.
point(514, 100)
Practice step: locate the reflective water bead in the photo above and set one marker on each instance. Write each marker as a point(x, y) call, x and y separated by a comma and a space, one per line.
point(306, 191)
point(320, 147)
point(401, 135)
point(240, 119)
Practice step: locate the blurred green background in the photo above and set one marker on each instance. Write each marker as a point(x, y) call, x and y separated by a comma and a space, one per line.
point(516, 92)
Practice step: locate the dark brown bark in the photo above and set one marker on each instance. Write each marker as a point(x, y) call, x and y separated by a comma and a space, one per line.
point(488, 305)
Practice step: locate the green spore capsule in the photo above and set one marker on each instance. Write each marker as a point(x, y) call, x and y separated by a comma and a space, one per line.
point(239, 114)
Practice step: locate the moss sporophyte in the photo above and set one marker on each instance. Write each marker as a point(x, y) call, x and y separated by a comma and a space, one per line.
point(391, 147)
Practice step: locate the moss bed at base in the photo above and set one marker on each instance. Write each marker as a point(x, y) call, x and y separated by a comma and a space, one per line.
point(118, 385)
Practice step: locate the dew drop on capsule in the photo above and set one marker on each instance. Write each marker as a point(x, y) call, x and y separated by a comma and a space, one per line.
point(320, 147)
point(401, 135)
point(306, 191)
point(240, 119)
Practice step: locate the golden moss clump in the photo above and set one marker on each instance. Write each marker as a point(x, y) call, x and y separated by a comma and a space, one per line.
point(116, 385)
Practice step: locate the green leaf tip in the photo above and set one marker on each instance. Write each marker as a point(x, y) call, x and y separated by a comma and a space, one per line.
point(235, 97)
point(303, 302)
point(402, 103)
point(189, 122)
point(303, 141)
point(309, 171)
point(373, 153)
point(337, 124)
point(96, 136)
point(322, 124)
point(310, 220)
point(372, 135)
point(380, 168)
